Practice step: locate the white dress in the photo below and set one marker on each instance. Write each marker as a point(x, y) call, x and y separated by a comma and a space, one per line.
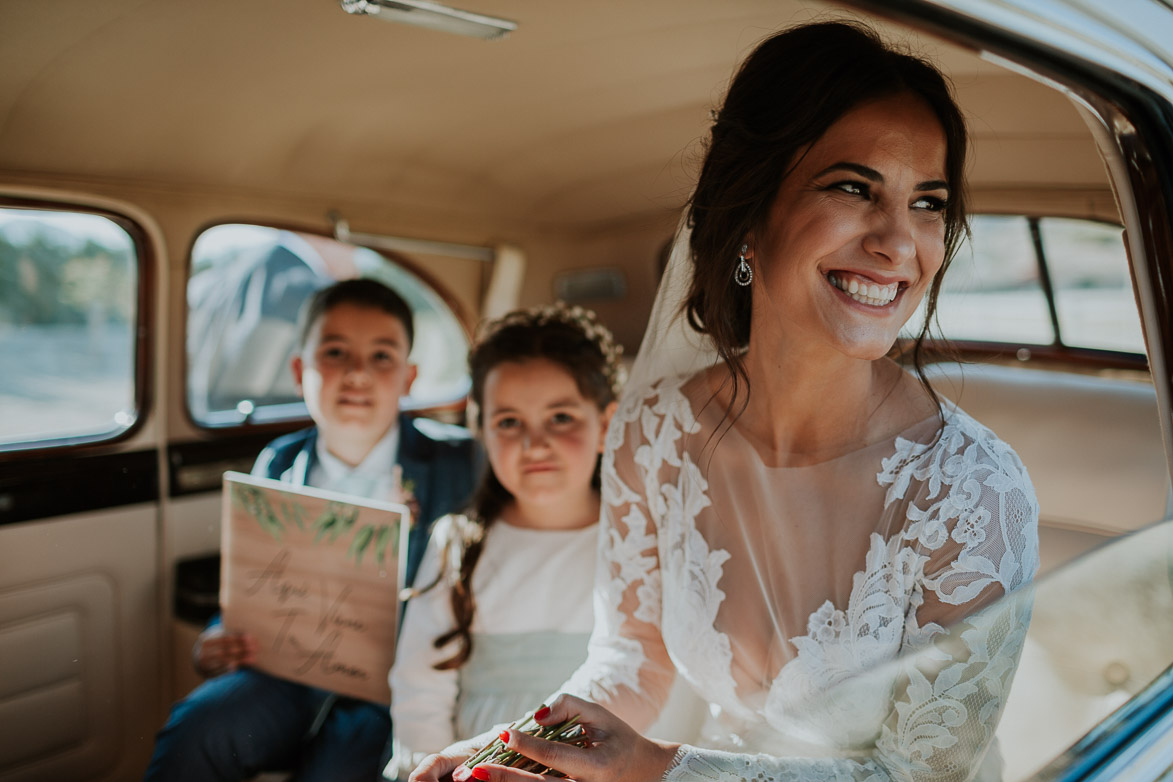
point(533, 616)
point(769, 588)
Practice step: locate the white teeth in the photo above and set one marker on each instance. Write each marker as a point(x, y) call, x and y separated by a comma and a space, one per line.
point(865, 293)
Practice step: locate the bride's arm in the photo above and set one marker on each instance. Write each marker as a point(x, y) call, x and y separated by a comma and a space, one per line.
point(627, 670)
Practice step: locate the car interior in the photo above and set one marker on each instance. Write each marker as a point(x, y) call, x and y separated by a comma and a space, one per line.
point(173, 175)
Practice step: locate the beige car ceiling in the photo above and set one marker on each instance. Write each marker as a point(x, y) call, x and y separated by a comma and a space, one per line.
point(589, 114)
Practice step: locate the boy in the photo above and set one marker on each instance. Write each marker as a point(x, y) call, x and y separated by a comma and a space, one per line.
point(351, 369)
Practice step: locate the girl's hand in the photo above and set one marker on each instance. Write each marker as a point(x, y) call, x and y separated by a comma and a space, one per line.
point(218, 651)
point(614, 752)
point(444, 765)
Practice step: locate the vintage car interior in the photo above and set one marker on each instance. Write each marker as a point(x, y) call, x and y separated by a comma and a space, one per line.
point(175, 177)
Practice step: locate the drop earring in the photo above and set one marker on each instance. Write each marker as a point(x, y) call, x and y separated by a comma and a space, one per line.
point(743, 274)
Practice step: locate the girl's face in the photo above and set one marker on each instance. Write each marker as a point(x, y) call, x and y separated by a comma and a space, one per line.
point(542, 436)
point(855, 234)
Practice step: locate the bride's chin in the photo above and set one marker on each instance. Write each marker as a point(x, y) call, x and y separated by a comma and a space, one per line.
point(868, 349)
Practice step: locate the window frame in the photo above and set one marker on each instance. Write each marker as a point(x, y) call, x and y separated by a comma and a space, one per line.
point(143, 325)
point(277, 426)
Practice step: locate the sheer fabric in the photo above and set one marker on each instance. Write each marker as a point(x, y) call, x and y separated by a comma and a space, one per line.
point(530, 630)
point(770, 589)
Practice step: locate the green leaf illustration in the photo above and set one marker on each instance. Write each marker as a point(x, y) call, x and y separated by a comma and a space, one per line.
point(381, 540)
point(362, 539)
point(253, 501)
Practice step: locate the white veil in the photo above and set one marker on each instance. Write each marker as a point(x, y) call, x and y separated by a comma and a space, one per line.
point(670, 347)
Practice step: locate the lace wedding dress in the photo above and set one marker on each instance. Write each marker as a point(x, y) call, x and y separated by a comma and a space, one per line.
point(771, 589)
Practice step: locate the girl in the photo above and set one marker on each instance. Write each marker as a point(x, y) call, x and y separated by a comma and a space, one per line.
point(480, 644)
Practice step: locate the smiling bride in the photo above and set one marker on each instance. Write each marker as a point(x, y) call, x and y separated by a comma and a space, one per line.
point(789, 507)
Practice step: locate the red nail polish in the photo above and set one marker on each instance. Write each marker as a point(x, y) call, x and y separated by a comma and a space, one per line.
point(504, 736)
point(542, 713)
point(481, 773)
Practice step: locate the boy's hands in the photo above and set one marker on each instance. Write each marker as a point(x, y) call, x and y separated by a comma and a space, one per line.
point(218, 651)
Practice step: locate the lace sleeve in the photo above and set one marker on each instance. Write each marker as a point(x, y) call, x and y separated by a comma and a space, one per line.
point(627, 668)
point(973, 537)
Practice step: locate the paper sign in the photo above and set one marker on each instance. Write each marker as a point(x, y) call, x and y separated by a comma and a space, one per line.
point(315, 576)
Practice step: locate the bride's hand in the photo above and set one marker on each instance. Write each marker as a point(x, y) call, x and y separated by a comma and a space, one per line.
point(614, 752)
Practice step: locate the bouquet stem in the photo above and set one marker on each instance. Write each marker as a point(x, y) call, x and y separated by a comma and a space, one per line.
point(567, 732)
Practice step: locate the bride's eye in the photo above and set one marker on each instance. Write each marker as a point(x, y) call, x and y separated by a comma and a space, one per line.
point(851, 187)
point(930, 204)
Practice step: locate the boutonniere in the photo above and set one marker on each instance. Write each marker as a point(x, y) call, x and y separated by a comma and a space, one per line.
point(403, 493)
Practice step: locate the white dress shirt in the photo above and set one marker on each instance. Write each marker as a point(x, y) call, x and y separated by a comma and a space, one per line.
point(374, 477)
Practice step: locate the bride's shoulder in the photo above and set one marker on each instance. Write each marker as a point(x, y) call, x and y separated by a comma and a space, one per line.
point(961, 444)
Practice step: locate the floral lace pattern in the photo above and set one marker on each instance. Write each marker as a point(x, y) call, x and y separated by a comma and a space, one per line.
point(965, 533)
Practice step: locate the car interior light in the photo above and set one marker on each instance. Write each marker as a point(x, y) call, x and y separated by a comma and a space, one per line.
point(434, 16)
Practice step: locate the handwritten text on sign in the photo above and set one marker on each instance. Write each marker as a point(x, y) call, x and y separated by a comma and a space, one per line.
point(315, 578)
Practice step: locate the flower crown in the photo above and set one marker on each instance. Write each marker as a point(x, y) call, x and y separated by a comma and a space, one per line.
point(581, 318)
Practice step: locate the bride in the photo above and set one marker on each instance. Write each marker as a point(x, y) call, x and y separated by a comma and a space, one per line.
point(787, 507)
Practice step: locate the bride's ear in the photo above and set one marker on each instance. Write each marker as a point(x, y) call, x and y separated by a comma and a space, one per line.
point(605, 421)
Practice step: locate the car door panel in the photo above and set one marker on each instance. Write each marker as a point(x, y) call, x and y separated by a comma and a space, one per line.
point(79, 639)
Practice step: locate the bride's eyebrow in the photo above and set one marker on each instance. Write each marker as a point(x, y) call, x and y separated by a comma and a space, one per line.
point(872, 175)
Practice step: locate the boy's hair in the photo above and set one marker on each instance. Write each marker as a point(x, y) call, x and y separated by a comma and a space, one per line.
point(361, 292)
point(570, 337)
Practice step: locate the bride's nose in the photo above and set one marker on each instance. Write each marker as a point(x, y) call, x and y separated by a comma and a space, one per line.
point(890, 236)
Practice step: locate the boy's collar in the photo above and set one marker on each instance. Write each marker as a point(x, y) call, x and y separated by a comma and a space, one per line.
point(382, 455)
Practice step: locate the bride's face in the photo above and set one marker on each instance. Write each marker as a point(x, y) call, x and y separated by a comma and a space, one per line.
point(855, 234)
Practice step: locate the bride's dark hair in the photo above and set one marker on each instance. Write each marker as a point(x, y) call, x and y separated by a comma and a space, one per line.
point(784, 97)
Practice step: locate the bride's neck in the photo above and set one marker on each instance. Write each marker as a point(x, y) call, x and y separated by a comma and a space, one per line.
point(806, 411)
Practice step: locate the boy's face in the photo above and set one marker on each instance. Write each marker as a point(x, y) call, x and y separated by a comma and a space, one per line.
point(352, 372)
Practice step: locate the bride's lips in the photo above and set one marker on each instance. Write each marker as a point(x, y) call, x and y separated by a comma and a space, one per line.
point(543, 467)
point(866, 290)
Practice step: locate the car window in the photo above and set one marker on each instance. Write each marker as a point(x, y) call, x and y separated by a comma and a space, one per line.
point(1099, 643)
point(1040, 281)
point(69, 285)
point(246, 287)
point(992, 290)
point(1093, 291)
point(1101, 632)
